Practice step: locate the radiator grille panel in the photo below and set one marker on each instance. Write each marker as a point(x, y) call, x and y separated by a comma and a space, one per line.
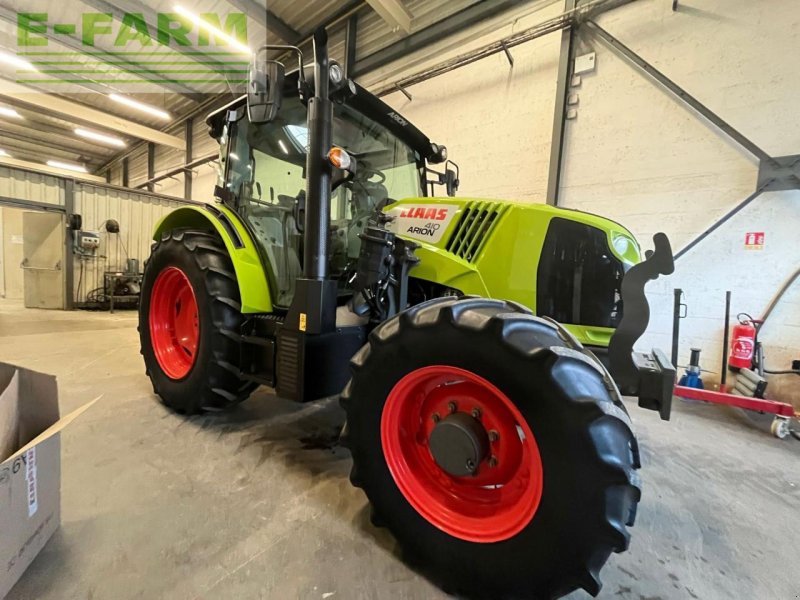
point(475, 225)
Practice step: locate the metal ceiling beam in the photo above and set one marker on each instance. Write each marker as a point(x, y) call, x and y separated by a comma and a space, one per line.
point(562, 21)
point(340, 15)
point(281, 28)
point(36, 147)
point(211, 103)
point(267, 19)
point(28, 129)
point(73, 110)
point(451, 25)
point(75, 44)
point(40, 168)
point(393, 12)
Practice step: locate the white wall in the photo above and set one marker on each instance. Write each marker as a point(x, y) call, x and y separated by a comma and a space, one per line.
point(495, 120)
point(636, 155)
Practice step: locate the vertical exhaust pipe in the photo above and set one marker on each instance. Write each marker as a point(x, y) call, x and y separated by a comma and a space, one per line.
point(318, 170)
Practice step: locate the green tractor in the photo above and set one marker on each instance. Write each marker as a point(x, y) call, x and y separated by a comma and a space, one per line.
point(470, 341)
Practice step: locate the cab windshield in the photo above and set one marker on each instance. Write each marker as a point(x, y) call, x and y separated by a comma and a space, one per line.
point(265, 173)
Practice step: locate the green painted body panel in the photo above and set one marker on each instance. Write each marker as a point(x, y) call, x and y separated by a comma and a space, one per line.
point(505, 261)
point(250, 273)
point(502, 262)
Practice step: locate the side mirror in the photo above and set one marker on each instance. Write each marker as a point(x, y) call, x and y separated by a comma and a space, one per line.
point(451, 181)
point(264, 89)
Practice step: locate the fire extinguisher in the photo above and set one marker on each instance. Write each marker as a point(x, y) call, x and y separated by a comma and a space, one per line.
point(743, 342)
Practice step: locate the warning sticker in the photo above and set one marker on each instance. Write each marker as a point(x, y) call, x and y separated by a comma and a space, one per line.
point(754, 240)
point(425, 222)
point(30, 481)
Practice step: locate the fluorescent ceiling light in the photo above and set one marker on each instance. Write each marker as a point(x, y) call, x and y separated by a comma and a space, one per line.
point(9, 112)
point(4, 153)
point(68, 166)
point(15, 61)
point(100, 137)
point(203, 24)
point(151, 110)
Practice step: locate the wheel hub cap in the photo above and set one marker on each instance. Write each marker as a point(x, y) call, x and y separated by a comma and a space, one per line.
point(459, 444)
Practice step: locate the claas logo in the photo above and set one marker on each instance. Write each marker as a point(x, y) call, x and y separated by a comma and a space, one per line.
point(420, 212)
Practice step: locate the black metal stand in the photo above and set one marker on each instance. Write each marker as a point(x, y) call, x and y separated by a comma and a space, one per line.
point(723, 378)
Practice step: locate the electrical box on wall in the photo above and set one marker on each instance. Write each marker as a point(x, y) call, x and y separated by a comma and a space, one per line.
point(584, 63)
point(87, 240)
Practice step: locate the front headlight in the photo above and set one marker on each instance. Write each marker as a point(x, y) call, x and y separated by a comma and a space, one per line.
point(621, 245)
point(625, 248)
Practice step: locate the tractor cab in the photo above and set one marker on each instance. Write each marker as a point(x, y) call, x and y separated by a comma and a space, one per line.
point(263, 176)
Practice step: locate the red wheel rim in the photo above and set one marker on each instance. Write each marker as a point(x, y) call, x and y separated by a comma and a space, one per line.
point(501, 498)
point(174, 324)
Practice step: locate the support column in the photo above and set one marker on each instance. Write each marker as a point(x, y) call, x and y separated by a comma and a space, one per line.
point(562, 87)
point(187, 174)
point(151, 165)
point(69, 261)
point(125, 172)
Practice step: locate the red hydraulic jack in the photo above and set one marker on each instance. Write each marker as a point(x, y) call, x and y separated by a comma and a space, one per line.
point(782, 411)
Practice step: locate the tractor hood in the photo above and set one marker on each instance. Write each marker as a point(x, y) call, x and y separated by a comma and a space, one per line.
point(464, 226)
point(561, 263)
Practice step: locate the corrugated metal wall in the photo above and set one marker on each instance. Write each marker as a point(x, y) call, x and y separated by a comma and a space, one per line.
point(136, 212)
point(17, 184)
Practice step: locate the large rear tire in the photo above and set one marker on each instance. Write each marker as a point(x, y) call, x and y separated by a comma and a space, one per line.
point(189, 323)
point(557, 483)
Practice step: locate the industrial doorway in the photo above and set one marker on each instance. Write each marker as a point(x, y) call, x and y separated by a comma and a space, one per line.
point(43, 259)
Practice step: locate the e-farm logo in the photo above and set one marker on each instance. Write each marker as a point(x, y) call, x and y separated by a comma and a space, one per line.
point(131, 47)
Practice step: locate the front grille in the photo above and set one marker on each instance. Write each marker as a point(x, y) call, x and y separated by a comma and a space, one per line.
point(579, 279)
point(475, 224)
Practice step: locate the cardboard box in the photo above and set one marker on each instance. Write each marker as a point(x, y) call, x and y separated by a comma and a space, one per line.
point(30, 471)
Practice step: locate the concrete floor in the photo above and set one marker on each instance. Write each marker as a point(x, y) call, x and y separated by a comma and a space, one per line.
point(256, 503)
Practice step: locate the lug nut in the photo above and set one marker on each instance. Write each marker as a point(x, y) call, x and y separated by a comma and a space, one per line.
point(492, 461)
point(476, 412)
point(451, 406)
point(436, 418)
point(470, 465)
point(493, 436)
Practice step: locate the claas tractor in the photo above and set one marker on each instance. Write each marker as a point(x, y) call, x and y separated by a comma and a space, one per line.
point(479, 348)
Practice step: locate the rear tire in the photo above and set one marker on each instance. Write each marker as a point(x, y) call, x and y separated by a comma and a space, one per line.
point(211, 382)
point(588, 486)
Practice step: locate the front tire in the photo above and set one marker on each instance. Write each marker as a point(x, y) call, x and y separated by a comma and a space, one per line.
point(556, 485)
point(189, 323)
